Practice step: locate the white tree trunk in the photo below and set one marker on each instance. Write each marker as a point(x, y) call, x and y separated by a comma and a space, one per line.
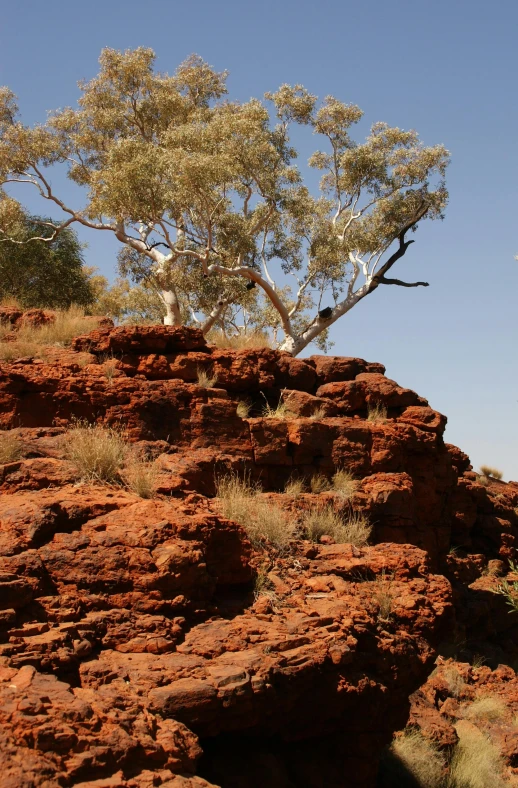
point(172, 315)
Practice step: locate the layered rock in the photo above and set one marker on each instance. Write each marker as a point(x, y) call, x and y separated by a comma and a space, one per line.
point(134, 649)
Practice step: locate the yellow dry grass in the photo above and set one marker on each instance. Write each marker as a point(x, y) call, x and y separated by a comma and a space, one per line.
point(97, 452)
point(344, 483)
point(11, 447)
point(354, 529)
point(261, 519)
point(254, 341)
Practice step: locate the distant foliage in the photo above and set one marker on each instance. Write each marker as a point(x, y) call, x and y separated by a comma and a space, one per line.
point(42, 274)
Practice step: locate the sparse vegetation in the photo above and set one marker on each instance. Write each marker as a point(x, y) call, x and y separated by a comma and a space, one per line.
point(384, 595)
point(243, 408)
point(491, 473)
point(319, 483)
point(324, 521)
point(10, 351)
point(68, 323)
point(413, 762)
point(33, 340)
point(109, 363)
point(454, 681)
point(261, 519)
point(263, 586)
point(11, 447)
point(509, 589)
point(487, 707)
point(344, 483)
point(97, 452)
point(295, 487)
point(252, 341)
point(476, 761)
point(377, 412)
point(140, 475)
point(318, 414)
point(205, 379)
point(280, 411)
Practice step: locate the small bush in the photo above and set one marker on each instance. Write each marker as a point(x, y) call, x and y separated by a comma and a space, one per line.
point(476, 762)
point(377, 412)
point(11, 448)
point(319, 483)
point(413, 762)
point(140, 476)
point(491, 473)
point(344, 483)
point(324, 521)
point(260, 518)
point(243, 409)
point(295, 487)
point(509, 590)
point(487, 707)
point(205, 379)
point(97, 452)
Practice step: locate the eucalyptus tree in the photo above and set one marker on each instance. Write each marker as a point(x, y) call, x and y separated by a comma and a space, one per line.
point(207, 199)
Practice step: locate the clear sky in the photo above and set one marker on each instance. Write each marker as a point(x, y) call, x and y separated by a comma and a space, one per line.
point(446, 68)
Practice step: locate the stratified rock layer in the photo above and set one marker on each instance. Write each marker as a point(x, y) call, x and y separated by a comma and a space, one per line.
point(131, 638)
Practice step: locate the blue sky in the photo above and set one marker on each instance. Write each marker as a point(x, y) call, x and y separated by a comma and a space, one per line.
point(447, 69)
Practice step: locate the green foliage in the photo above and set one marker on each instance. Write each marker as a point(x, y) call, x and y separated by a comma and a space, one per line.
point(42, 274)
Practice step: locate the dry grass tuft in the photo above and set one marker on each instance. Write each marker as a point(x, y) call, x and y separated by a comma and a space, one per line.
point(318, 414)
point(319, 483)
point(263, 587)
point(414, 761)
point(260, 518)
point(140, 475)
point(324, 521)
point(11, 448)
point(491, 473)
point(109, 364)
point(243, 408)
point(487, 707)
point(295, 487)
point(454, 681)
point(476, 762)
point(97, 452)
point(384, 595)
point(254, 341)
point(280, 411)
point(205, 379)
point(344, 483)
point(377, 413)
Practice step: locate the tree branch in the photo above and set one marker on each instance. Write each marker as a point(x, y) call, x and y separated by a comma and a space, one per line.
point(384, 281)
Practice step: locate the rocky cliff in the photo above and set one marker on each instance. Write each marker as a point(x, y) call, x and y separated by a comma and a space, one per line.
point(136, 646)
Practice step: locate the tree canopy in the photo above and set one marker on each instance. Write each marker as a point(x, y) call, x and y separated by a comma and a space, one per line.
point(207, 199)
point(44, 273)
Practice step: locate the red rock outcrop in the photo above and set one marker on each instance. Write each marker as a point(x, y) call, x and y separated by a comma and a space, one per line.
point(131, 637)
